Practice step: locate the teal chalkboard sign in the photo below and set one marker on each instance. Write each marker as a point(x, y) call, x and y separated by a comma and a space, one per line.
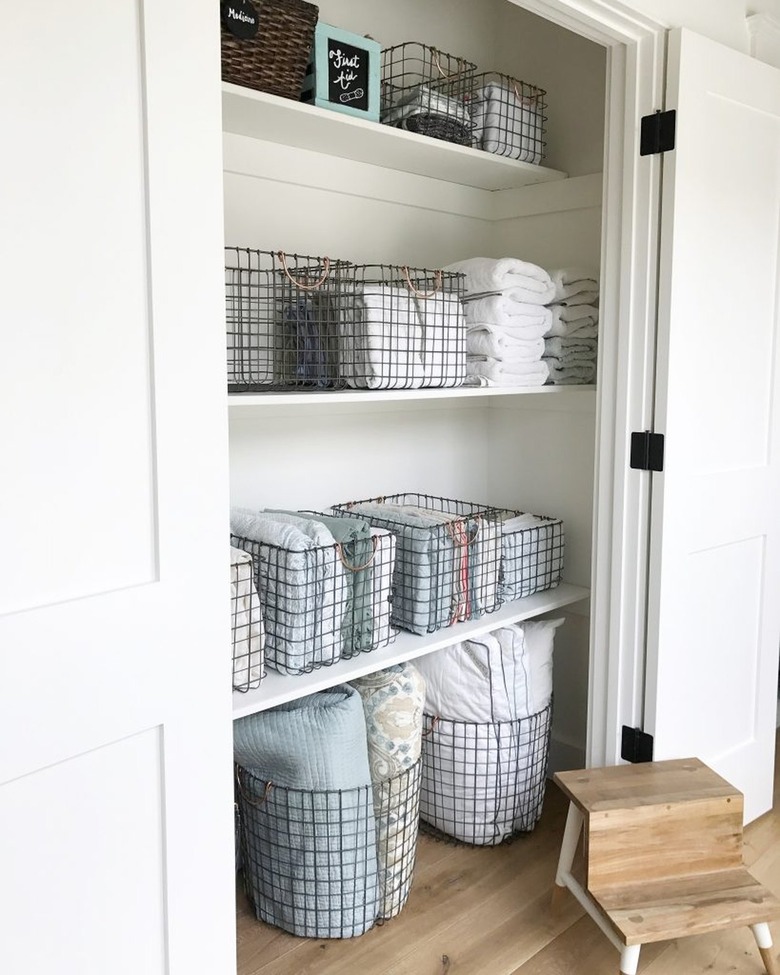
point(344, 73)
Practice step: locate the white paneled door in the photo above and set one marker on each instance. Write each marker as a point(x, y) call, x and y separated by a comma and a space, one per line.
point(115, 762)
point(714, 618)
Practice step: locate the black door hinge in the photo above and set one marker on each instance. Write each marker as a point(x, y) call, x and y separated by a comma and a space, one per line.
point(647, 451)
point(636, 745)
point(657, 133)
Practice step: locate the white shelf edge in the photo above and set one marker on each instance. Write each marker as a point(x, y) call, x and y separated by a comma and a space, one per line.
point(359, 396)
point(278, 688)
point(260, 115)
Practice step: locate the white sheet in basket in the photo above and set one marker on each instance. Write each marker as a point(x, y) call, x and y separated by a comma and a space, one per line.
point(247, 622)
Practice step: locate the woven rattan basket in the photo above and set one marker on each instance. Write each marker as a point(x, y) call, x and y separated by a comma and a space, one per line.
point(275, 59)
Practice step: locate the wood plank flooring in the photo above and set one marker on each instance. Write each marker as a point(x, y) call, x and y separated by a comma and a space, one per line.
point(487, 912)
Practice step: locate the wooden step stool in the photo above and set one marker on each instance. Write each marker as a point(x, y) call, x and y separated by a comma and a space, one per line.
point(662, 850)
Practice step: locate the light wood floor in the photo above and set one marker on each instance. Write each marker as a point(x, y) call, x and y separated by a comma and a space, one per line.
point(487, 912)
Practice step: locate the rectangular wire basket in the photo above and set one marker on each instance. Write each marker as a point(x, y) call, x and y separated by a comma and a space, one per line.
point(425, 90)
point(509, 117)
point(532, 548)
point(448, 555)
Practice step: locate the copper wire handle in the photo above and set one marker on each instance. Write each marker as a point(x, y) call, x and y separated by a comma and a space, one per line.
point(437, 62)
point(434, 722)
point(252, 802)
point(305, 287)
point(525, 99)
point(437, 277)
point(365, 565)
point(469, 541)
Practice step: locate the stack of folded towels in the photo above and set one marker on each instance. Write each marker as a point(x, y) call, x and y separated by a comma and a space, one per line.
point(571, 343)
point(506, 320)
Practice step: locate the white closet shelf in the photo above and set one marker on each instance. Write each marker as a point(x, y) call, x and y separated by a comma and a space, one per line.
point(260, 115)
point(278, 688)
point(237, 401)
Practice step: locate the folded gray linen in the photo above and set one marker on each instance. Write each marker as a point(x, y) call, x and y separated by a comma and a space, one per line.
point(308, 815)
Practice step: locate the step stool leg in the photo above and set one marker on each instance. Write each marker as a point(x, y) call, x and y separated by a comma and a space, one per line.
point(629, 959)
point(763, 937)
point(571, 836)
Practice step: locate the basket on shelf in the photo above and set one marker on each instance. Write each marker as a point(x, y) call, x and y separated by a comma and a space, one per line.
point(448, 555)
point(509, 117)
point(266, 44)
point(532, 549)
point(283, 319)
point(246, 623)
point(427, 91)
point(405, 329)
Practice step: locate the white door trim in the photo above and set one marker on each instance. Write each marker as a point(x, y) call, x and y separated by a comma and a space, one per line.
point(636, 48)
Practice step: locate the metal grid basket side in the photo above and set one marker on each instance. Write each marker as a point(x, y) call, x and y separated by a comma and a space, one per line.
point(283, 319)
point(426, 90)
point(484, 784)
point(247, 629)
point(532, 558)
point(309, 607)
point(509, 116)
point(275, 59)
point(309, 857)
point(407, 328)
point(397, 813)
point(445, 572)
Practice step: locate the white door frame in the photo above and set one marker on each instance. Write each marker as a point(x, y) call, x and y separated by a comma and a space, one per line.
point(636, 54)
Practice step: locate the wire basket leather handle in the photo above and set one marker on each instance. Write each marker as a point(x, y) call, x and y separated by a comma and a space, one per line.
point(249, 799)
point(298, 284)
point(437, 278)
point(365, 565)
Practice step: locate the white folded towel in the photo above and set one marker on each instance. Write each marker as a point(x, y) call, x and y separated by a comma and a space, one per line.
point(443, 339)
point(504, 309)
point(493, 372)
point(383, 347)
point(503, 343)
point(486, 275)
point(580, 320)
point(570, 349)
point(507, 124)
point(571, 281)
point(580, 373)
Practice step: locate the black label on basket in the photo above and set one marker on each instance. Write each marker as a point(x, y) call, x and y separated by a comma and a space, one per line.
point(347, 74)
point(240, 18)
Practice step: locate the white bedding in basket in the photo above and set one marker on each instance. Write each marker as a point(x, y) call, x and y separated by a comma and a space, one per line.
point(474, 770)
point(247, 622)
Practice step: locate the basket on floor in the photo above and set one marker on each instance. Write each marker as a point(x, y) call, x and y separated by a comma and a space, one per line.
point(283, 319)
point(248, 634)
point(405, 329)
point(266, 44)
point(328, 864)
point(509, 117)
point(447, 560)
point(482, 784)
point(426, 91)
point(318, 606)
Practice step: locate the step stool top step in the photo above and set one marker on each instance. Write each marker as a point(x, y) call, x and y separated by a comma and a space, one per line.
point(646, 784)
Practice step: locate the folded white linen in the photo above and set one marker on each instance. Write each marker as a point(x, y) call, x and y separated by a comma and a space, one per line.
point(508, 124)
point(571, 320)
point(570, 349)
point(504, 344)
point(486, 275)
point(383, 347)
point(503, 309)
point(443, 339)
point(382, 588)
point(246, 622)
point(571, 281)
point(579, 373)
point(498, 373)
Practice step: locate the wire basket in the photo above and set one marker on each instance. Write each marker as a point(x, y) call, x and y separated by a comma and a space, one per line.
point(447, 561)
point(318, 605)
point(532, 548)
point(483, 784)
point(283, 315)
point(275, 57)
point(426, 91)
point(328, 864)
point(246, 623)
point(405, 329)
point(509, 117)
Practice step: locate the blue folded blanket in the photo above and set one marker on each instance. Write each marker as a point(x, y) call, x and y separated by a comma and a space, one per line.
point(308, 815)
